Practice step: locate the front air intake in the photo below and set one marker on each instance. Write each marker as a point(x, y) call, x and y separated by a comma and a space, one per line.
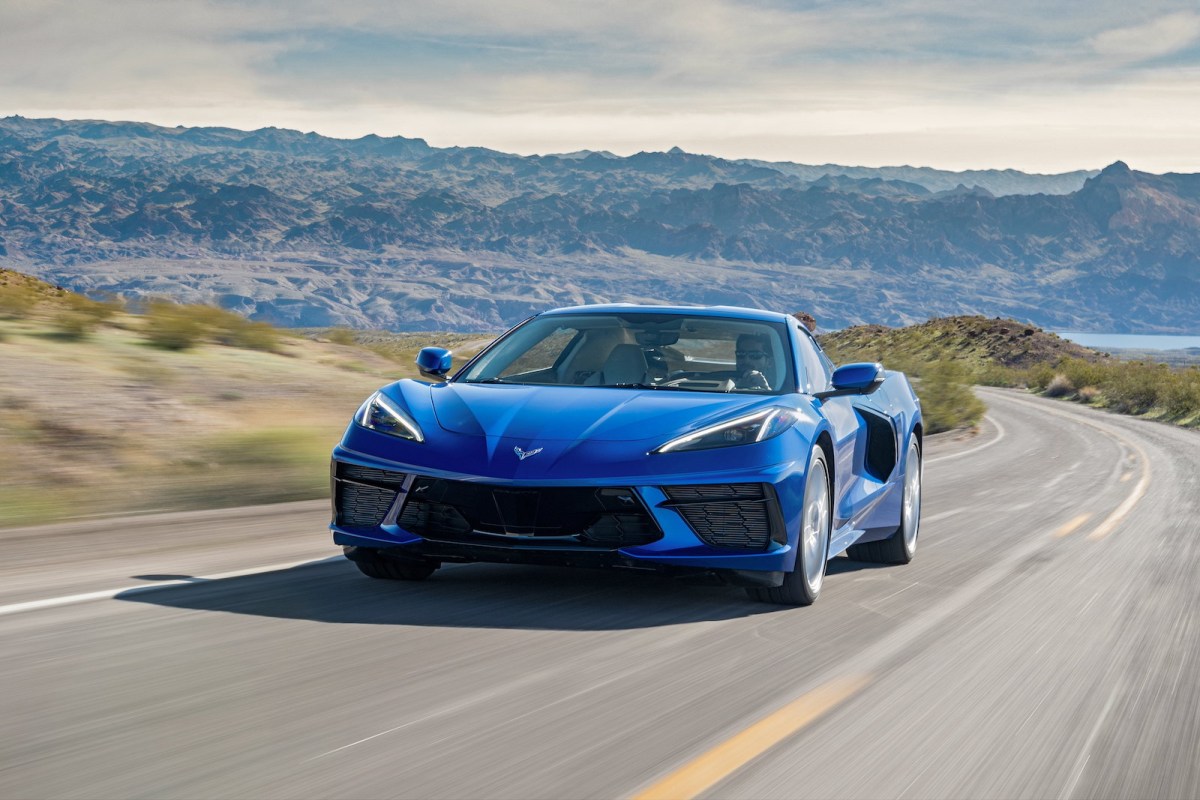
point(733, 516)
point(522, 516)
point(363, 495)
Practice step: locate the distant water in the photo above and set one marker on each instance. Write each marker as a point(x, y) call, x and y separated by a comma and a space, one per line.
point(1133, 341)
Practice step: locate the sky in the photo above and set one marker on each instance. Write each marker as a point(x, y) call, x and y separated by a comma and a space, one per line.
point(1045, 86)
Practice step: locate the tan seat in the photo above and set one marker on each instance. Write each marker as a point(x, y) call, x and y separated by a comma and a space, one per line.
point(625, 364)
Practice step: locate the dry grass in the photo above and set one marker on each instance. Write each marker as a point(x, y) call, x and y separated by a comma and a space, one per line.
point(108, 423)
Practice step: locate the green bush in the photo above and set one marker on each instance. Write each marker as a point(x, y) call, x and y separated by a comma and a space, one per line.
point(341, 336)
point(1127, 387)
point(238, 331)
point(947, 401)
point(1039, 377)
point(81, 315)
point(1134, 387)
point(1000, 375)
point(172, 326)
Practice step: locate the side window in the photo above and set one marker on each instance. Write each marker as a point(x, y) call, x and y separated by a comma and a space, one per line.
point(816, 364)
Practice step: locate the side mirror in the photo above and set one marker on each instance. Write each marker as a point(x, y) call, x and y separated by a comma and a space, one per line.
point(434, 362)
point(859, 378)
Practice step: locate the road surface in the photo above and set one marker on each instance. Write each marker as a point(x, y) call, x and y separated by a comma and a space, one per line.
point(1044, 643)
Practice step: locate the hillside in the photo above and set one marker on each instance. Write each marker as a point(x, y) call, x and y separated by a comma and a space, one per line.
point(975, 343)
point(302, 230)
point(946, 355)
point(106, 422)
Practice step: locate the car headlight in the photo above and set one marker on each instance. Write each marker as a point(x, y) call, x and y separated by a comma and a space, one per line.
point(381, 414)
point(765, 424)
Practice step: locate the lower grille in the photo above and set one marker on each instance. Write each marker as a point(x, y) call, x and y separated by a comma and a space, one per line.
point(385, 477)
point(460, 511)
point(363, 495)
point(736, 516)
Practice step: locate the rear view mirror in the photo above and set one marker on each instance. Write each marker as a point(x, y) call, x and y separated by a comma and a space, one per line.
point(434, 362)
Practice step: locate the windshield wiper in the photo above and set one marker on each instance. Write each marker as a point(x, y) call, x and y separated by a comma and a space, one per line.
point(489, 380)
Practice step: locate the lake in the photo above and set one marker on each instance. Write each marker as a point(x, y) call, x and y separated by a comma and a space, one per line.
point(1133, 341)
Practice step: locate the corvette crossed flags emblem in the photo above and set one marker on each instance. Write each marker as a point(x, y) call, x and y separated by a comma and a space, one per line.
point(524, 454)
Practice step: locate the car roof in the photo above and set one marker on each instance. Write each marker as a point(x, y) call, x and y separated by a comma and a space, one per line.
point(698, 311)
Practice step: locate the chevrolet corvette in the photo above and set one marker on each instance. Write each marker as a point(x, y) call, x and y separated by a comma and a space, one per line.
point(681, 440)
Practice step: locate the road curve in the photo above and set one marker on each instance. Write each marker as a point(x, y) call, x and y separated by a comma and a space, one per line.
point(1044, 643)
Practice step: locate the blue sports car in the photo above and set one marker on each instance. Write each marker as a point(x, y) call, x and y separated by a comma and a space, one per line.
point(675, 439)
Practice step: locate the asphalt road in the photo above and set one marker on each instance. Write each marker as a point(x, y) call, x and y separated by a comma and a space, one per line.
point(1044, 643)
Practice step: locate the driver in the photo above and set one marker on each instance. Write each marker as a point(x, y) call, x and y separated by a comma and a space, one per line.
point(754, 362)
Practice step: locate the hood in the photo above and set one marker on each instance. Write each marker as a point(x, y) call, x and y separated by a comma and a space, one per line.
point(573, 413)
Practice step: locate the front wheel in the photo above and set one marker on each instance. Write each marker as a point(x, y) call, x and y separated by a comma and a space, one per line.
point(901, 546)
point(802, 585)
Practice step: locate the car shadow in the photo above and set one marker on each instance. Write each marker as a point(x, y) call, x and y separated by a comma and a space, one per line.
point(840, 565)
point(462, 596)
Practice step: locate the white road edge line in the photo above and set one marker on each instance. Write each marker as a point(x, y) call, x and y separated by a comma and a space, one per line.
point(108, 594)
point(999, 435)
point(1085, 754)
point(1111, 522)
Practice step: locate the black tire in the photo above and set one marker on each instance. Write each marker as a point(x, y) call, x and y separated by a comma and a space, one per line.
point(797, 588)
point(392, 569)
point(897, 548)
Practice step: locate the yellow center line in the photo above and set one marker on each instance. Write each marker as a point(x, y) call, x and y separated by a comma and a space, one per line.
point(1071, 526)
point(1139, 454)
point(1114, 519)
point(710, 768)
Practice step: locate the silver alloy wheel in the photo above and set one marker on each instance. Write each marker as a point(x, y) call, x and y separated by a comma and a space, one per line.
point(816, 526)
point(912, 498)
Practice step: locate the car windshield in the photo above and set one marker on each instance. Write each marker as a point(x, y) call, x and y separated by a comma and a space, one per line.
point(641, 351)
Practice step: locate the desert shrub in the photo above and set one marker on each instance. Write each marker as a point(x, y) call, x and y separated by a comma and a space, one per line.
point(71, 326)
point(340, 336)
point(947, 401)
point(178, 327)
point(1179, 397)
point(172, 326)
point(241, 332)
point(1039, 377)
point(1082, 373)
point(1127, 387)
point(16, 301)
point(999, 375)
point(1133, 387)
point(81, 315)
point(1060, 386)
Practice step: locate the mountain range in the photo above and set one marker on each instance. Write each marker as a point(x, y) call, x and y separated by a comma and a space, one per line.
point(301, 229)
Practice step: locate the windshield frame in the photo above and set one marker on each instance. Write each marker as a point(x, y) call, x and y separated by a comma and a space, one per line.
point(786, 372)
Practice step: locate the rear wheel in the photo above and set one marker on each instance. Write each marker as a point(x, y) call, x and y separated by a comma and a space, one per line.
point(376, 566)
point(901, 546)
point(802, 585)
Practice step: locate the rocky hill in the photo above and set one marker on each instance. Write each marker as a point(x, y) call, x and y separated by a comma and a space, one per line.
point(300, 229)
point(975, 343)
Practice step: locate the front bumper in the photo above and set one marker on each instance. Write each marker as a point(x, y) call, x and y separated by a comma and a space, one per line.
point(681, 531)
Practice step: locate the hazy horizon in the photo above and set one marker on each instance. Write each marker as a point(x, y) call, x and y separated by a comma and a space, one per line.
point(625, 154)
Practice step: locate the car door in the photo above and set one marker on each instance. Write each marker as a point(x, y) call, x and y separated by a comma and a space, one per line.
point(862, 472)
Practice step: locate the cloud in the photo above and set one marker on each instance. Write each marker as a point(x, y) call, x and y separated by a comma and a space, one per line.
point(785, 80)
point(1158, 37)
